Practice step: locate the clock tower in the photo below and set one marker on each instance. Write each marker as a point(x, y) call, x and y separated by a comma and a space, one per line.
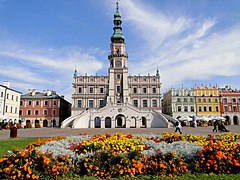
point(118, 71)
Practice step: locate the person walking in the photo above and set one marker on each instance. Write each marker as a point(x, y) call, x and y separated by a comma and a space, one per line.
point(178, 126)
point(215, 124)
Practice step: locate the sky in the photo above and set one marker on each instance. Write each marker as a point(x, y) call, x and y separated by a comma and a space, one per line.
point(190, 42)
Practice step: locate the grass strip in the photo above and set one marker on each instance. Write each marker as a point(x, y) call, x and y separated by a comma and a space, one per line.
point(13, 144)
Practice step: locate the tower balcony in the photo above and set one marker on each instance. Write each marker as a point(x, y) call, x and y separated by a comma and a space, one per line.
point(110, 55)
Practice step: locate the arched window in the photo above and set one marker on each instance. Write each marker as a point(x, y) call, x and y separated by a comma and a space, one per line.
point(97, 121)
point(144, 122)
point(108, 122)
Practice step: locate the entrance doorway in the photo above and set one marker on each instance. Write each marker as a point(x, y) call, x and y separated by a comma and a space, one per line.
point(120, 121)
point(235, 120)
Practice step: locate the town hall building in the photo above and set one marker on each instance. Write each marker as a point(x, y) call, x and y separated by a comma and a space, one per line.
point(117, 100)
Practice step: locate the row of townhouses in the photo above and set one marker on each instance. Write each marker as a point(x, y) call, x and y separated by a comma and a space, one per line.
point(46, 109)
point(204, 101)
point(34, 109)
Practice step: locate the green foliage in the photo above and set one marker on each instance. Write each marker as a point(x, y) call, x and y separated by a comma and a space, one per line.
point(13, 144)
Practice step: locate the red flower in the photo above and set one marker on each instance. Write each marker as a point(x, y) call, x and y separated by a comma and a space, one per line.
point(129, 136)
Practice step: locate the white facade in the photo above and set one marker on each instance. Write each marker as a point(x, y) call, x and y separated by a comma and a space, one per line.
point(9, 103)
point(117, 100)
point(179, 102)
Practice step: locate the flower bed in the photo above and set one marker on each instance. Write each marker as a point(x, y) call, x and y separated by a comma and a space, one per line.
point(113, 155)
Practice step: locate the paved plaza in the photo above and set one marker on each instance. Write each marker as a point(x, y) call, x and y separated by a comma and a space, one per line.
point(54, 132)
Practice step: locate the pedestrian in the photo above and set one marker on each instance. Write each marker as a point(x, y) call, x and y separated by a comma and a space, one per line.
point(194, 121)
point(215, 124)
point(178, 126)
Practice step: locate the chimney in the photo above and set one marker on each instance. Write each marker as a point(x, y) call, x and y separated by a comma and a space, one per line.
point(29, 91)
point(33, 92)
point(49, 92)
point(6, 83)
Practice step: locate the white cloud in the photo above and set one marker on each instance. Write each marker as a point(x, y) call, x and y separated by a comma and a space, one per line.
point(150, 24)
point(63, 59)
point(183, 48)
point(20, 73)
point(44, 68)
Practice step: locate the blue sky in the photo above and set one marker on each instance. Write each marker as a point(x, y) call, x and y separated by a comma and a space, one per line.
point(191, 42)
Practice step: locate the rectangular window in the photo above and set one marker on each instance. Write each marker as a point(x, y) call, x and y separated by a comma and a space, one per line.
point(12, 97)
point(1, 94)
point(90, 103)
point(7, 96)
point(54, 102)
point(21, 103)
point(118, 76)
point(29, 112)
point(209, 99)
point(79, 103)
point(80, 90)
point(118, 89)
point(134, 90)
point(144, 90)
point(217, 109)
point(29, 103)
point(185, 99)
point(178, 100)
point(154, 103)
point(204, 100)
point(145, 103)
point(54, 112)
point(91, 90)
point(191, 99)
point(6, 108)
point(234, 109)
point(154, 90)
point(135, 103)
point(101, 90)
point(37, 103)
point(102, 103)
point(225, 108)
point(20, 112)
point(179, 108)
point(45, 112)
point(17, 98)
point(36, 112)
point(45, 103)
point(199, 100)
point(200, 108)
point(11, 109)
point(15, 110)
point(205, 109)
point(215, 100)
point(210, 108)
point(192, 108)
point(185, 109)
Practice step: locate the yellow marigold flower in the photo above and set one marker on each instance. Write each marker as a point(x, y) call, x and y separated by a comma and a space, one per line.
point(28, 176)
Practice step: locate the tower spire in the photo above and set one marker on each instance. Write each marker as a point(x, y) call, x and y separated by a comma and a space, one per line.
point(75, 71)
point(157, 72)
point(117, 34)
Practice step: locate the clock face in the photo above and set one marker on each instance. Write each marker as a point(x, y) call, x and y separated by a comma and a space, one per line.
point(118, 63)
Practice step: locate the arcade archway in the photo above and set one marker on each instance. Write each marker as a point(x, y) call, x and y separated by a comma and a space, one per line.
point(108, 122)
point(120, 121)
point(97, 122)
point(235, 120)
